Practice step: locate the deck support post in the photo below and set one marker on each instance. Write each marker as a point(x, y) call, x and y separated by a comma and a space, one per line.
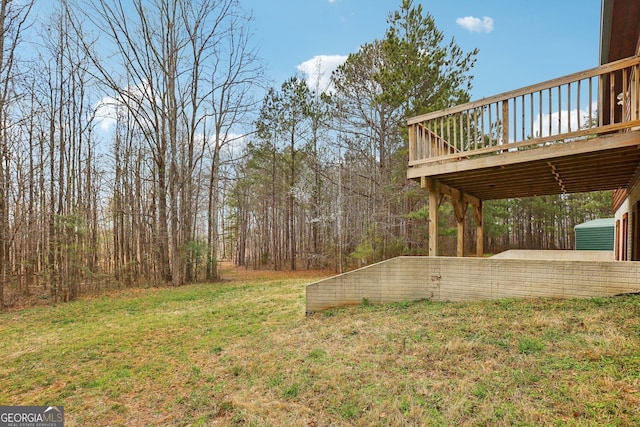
point(460, 210)
point(461, 202)
point(479, 217)
point(460, 242)
point(433, 222)
point(434, 205)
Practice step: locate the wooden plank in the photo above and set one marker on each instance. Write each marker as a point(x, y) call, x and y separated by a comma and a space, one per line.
point(584, 164)
point(459, 122)
point(577, 134)
point(636, 91)
point(607, 142)
point(482, 134)
point(557, 177)
point(590, 102)
point(479, 217)
point(550, 113)
point(515, 122)
point(499, 182)
point(522, 115)
point(441, 188)
point(433, 223)
point(491, 123)
point(559, 112)
point(540, 174)
point(625, 92)
point(568, 108)
point(505, 123)
point(618, 197)
point(540, 113)
point(601, 106)
point(412, 143)
point(612, 97)
point(460, 203)
point(531, 116)
point(578, 105)
point(460, 240)
point(460, 209)
point(455, 131)
point(470, 135)
point(473, 130)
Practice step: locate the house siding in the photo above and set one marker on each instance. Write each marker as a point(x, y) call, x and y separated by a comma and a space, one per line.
point(628, 207)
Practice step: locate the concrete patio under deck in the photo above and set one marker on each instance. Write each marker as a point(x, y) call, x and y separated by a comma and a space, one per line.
point(473, 279)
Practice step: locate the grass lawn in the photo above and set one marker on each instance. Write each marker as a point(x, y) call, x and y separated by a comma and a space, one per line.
point(242, 352)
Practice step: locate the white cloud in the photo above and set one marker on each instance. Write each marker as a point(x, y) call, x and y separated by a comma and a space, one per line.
point(577, 119)
point(230, 145)
point(476, 25)
point(106, 112)
point(317, 70)
point(110, 108)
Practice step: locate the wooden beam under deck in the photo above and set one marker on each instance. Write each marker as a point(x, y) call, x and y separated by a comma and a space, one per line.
point(542, 179)
point(602, 163)
point(460, 201)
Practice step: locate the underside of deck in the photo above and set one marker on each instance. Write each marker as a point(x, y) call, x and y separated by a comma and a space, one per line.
point(606, 162)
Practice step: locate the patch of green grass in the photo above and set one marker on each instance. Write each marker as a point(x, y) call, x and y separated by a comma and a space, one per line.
point(276, 380)
point(530, 345)
point(292, 391)
point(317, 354)
point(480, 390)
point(402, 305)
point(347, 410)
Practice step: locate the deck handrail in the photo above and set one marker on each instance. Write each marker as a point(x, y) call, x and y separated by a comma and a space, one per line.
point(577, 106)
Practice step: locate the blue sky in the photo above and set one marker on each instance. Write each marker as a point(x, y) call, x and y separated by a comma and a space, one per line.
point(521, 42)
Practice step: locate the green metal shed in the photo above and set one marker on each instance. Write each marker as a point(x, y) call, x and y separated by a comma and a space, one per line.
point(596, 235)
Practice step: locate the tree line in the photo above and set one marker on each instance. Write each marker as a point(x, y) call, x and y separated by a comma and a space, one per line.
point(322, 183)
point(136, 146)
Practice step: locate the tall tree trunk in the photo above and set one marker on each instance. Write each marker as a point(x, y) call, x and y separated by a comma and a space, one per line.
point(291, 223)
point(212, 218)
point(162, 238)
point(12, 18)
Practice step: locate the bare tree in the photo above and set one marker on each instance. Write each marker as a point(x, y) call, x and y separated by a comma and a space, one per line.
point(12, 22)
point(175, 64)
point(67, 115)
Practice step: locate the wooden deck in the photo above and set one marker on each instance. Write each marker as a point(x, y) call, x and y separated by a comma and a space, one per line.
point(574, 134)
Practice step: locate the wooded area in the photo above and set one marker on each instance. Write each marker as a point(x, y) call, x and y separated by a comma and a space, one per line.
point(138, 145)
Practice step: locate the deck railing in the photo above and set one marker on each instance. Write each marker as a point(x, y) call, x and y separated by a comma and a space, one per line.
point(579, 106)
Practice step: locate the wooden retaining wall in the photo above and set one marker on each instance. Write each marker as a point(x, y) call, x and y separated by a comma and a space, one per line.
point(466, 279)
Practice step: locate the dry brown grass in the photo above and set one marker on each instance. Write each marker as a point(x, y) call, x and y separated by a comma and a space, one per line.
point(242, 352)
